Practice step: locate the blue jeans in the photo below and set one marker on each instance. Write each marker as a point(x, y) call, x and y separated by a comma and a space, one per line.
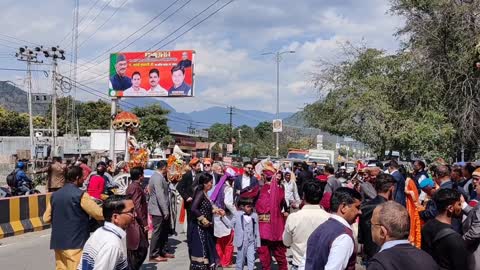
point(23, 189)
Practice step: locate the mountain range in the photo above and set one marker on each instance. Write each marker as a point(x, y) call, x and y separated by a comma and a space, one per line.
point(202, 119)
point(14, 98)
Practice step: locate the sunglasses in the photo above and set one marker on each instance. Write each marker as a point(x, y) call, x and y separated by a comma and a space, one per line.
point(207, 165)
point(249, 168)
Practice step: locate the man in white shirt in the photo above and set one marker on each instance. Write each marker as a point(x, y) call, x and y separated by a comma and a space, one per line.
point(155, 88)
point(135, 90)
point(332, 245)
point(106, 249)
point(301, 224)
point(291, 191)
point(246, 181)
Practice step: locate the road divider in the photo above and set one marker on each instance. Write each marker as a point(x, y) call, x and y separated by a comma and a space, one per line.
point(23, 214)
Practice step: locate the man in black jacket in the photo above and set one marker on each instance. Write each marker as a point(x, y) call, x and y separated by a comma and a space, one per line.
point(303, 176)
point(390, 229)
point(186, 187)
point(438, 237)
point(384, 186)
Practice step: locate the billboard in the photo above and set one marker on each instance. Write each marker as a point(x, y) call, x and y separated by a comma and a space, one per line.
point(152, 74)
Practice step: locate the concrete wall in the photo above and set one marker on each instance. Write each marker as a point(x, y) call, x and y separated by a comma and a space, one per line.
point(10, 145)
point(100, 140)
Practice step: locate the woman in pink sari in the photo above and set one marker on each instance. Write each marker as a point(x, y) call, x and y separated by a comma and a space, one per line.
point(271, 221)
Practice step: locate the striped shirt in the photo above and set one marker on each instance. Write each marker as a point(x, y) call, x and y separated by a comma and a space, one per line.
point(105, 250)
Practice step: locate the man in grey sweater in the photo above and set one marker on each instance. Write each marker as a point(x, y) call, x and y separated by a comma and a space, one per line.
point(158, 207)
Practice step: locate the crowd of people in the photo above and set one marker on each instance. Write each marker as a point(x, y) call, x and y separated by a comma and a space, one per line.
point(381, 216)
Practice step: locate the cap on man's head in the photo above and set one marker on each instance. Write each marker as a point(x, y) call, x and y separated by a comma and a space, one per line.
point(121, 57)
point(428, 182)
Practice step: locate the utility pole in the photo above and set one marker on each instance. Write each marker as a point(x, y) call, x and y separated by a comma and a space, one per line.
point(73, 71)
point(240, 143)
point(55, 53)
point(231, 123)
point(190, 128)
point(29, 56)
point(278, 58)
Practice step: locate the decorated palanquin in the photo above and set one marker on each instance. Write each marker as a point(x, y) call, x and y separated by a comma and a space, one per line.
point(175, 169)
point(129, 122)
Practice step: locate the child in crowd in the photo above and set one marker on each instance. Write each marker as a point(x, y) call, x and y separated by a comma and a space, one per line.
point(246, 233)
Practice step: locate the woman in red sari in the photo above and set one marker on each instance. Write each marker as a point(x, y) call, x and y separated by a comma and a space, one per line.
point(271, 221)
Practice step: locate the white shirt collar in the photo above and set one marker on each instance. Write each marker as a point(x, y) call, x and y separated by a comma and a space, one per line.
point(393, 243)
point(312, 206)
point(341, 220)
point(115, 229)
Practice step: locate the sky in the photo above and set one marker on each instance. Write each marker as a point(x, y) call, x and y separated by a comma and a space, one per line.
point(230, 68)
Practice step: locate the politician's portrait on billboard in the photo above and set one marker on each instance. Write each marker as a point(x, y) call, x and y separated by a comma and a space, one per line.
point(152, 74)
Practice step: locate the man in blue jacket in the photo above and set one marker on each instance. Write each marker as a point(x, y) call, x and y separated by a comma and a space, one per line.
point(399, 193)
point(119, 81)
point(22, 182)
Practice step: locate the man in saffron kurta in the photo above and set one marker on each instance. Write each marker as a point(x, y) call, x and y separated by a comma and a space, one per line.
point(271, 222)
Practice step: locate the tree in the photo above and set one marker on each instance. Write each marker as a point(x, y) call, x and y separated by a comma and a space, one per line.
point(442, 35)
point(383, 101)
point(153, 124)
point(91, 115)
point(265, 143)
point(219, 133)
point(13, 123)
point(294, 138)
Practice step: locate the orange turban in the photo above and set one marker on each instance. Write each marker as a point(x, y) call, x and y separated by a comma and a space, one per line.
point(194, 161)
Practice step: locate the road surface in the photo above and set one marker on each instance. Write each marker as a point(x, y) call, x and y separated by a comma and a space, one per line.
point(31, 252)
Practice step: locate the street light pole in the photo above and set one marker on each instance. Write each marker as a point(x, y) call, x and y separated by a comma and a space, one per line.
point(277, 134)
point(29, 56)
point(278, 59)
point(54, 53)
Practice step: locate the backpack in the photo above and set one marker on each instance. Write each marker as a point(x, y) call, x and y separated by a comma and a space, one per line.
point(12, 179)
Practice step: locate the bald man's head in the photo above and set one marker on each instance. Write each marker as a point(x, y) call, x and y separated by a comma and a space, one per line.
point(390, 221)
